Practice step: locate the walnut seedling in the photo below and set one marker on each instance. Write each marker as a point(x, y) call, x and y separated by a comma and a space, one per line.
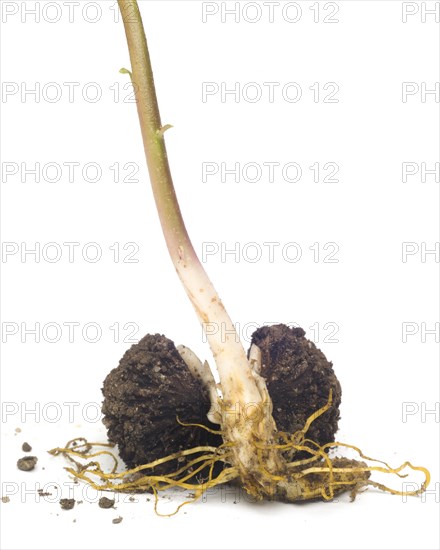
point(273, 453)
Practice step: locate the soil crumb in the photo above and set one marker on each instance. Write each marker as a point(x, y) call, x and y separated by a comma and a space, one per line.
point(5, 500)
point(27, 463)
point(67, 503)
point(26, 447)
point(105, 502)
point(117, 520)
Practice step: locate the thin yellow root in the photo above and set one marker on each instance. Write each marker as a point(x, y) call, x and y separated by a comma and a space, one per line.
point(121, 482)
point(210, 430)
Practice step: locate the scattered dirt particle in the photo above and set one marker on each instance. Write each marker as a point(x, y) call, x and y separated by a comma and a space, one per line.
point(132, 499)
point(26, 447)
point(42, 493)
point(67, 503)
point(17, 430)
point(5, 500)
point(117, 520)
point(105, 502)
point(80, 501)
point(27, 463)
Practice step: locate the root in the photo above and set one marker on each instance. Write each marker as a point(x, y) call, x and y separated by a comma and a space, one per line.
point(210, 430)
point(136, 480)
point(315, 477)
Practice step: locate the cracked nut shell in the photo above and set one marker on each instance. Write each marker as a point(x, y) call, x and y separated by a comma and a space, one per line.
point(299, 379)
point(142, 398)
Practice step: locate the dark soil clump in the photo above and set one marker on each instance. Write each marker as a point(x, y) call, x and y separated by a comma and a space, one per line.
point(27, 463)
point(26, 447)
point(67, 503)
point(142, 398)
point(117, 520)
point(299, 378)
point(105, 502)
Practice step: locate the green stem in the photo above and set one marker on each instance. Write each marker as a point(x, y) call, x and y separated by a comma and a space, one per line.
point(238, 383)
point(152, 132)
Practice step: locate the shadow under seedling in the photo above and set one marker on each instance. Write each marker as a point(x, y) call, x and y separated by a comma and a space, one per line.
point(270, 422)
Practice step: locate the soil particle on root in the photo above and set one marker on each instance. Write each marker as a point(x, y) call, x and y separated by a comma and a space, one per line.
point(117, 520)
point(67, 503)
point(143, 397)
point(105, 502)
point(348, 476)
point(299, 379)
point(27, 463)
point(26, 447)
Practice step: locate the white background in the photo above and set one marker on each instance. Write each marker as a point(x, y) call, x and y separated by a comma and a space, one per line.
point(369, 293)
